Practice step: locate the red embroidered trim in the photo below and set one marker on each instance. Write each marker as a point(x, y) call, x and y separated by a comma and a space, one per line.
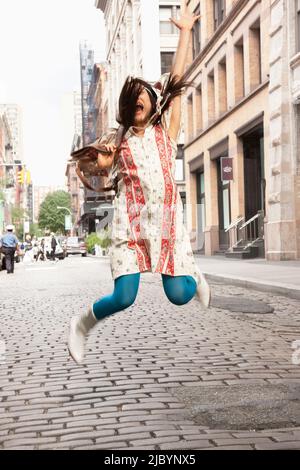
point(135, 202)
point(168, 225)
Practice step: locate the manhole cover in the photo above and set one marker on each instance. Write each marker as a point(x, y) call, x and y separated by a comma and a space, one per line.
point(241, 305)
point(242, 407)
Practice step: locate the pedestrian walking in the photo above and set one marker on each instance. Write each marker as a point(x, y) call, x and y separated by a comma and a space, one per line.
point(53, 247)
point(41, 252)
point(148, 234)
point(9, 244)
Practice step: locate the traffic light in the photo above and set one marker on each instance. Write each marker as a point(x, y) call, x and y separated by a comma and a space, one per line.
point(28, 178)
point(20, 176)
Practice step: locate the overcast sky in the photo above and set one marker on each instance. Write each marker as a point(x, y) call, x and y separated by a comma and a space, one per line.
point(39, 65)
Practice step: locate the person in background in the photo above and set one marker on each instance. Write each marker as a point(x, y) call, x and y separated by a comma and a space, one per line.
point(41, 251)
point(9, 244)
point(53, 246)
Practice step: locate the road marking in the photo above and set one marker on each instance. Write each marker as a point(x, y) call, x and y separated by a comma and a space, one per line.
point(39, 269)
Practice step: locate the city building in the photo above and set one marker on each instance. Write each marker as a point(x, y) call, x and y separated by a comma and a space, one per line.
point(89, 81)
point(224, 112)
point(74, 111)
point(285, 76)
point(7, 173)
point(97, 98)
point(76, 192)
point(86, 74)
point(141, 41)
point(13, 113)
point(241, 128)
point(29, 201)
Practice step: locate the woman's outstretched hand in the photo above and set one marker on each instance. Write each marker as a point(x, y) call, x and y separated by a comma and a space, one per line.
point(186, 20)
point(105, 161)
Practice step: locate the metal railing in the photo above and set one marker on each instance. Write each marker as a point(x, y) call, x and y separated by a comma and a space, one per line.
point(233, 230)
point(253, 228)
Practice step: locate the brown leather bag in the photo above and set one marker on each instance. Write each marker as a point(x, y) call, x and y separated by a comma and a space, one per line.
point(86, 160)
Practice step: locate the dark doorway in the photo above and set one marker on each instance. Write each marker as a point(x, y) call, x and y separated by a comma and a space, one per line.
point(254, 176)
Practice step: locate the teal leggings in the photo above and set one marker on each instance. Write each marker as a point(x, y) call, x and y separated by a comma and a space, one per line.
point(179, 290)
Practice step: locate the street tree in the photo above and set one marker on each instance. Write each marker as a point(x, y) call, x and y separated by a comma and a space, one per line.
point(35, 231)
point(49, 216)
point(18, 214)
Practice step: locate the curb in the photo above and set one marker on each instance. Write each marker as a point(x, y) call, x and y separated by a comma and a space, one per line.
point(265, 286)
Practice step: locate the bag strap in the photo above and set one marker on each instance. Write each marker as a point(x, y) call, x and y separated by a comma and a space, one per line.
point(87, 184)
point(118, 141)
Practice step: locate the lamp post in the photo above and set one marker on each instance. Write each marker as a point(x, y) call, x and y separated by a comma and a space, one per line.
point(62, 207)
point(67, 209)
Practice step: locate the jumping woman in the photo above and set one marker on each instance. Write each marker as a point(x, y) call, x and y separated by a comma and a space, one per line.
point(148, 234)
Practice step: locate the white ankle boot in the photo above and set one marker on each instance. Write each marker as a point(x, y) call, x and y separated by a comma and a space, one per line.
point(203, 292)
point(79, 328)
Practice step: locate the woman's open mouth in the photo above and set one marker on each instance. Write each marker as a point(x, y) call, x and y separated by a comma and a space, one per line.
point(139, 108)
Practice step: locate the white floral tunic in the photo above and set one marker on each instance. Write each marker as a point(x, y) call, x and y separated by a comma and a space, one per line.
point(148, 232)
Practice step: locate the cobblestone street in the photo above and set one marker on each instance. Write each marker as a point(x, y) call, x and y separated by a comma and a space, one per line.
point(156, 376)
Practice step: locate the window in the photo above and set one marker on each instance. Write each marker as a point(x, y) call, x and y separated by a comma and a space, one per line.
point(219, 12)
point(239, 82)
point(190, 117)
point(222, 85)
point(199, 110)
point(255, 55)
point(179, 170)
point(165, 25)
point(298, 25)
point(201, 222)
point(166, 61)
point(211, 97)
point(298, 138)
point(197, 35)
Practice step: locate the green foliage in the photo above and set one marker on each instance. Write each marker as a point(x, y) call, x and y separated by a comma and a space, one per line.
point(2, 186)
point(18, 215)
point(52, 218)
point(91, 240)
point(35, 231)
point(102, 239)
point(105, 240)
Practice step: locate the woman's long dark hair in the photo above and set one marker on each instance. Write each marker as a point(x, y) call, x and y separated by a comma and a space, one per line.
point(132, 89)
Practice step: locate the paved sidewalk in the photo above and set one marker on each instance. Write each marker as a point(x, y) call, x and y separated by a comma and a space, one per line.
point(157, 377)
point(278, 277)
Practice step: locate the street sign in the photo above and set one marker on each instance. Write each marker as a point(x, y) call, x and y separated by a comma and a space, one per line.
point(26, 226)
point(68, 222)
point(226, 169)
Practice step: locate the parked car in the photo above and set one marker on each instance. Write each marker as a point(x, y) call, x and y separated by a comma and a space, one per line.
point(76, 246)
